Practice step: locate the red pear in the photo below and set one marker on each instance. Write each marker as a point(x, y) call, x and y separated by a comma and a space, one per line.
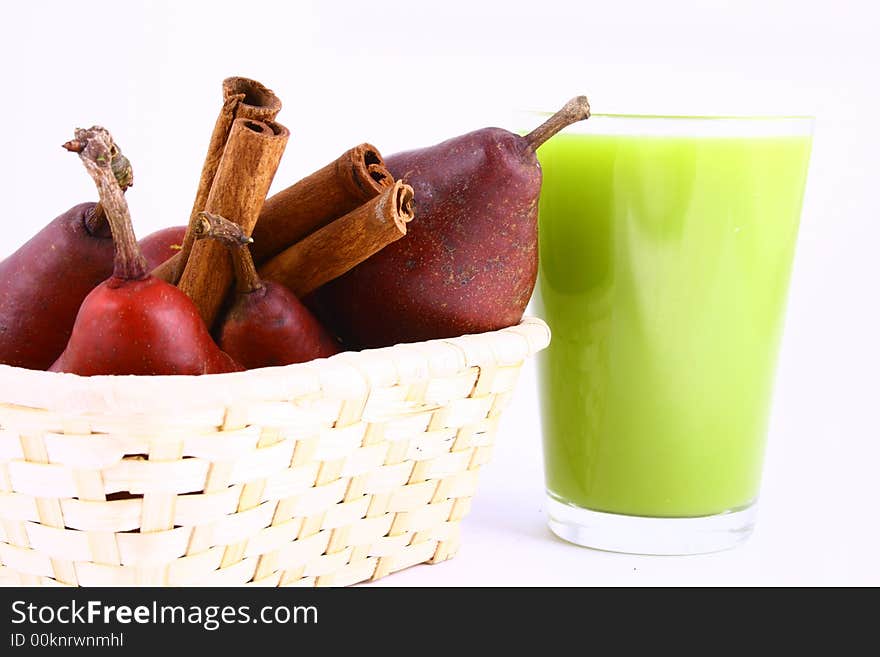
point(133, 323)
point(161, 245)
point(469, 262)
point(265, 325)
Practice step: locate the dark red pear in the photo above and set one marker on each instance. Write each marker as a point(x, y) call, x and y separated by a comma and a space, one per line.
point(133, 323)
point(469, 262)
point(265, 325)
point(161, 245)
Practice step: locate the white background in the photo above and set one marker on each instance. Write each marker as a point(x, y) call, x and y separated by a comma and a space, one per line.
point(407, 74)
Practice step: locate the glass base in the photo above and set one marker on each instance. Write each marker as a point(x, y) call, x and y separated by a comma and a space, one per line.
point(642, 535)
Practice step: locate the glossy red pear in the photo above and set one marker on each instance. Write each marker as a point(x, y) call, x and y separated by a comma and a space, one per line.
point(265, 325)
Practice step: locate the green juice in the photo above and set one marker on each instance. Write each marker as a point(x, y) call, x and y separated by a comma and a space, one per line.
point(664, 267)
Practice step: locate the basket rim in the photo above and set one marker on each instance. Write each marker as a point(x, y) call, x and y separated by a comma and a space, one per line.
point(349, 374)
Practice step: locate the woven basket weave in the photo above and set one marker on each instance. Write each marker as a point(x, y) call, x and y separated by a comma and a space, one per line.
point(327, 473)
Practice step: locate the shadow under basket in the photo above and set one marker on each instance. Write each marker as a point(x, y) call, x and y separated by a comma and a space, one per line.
point(330, 472)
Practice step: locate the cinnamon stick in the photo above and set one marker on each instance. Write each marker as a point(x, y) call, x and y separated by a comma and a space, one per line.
point(331, 251)
point(242, 98)
point(243, 178)
point(348, 182)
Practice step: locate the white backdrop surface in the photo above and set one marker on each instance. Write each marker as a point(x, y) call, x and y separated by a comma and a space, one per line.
point(409, 74)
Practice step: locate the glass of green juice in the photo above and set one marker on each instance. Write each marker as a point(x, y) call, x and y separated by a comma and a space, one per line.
point(666, 247)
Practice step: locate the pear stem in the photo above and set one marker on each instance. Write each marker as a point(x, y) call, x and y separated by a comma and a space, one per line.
point(97, 151)
point(577, 109)
point(96, 221)
point(233, 237)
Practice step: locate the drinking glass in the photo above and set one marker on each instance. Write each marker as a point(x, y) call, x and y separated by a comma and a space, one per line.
point(666, 247)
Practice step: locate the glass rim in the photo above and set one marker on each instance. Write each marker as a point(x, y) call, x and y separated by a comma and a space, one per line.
point(721, 125)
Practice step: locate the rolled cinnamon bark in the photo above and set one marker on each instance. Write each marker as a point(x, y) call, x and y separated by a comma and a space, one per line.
point(331, 251)
point(354, 178)
point(243, 178)
point(242, 98)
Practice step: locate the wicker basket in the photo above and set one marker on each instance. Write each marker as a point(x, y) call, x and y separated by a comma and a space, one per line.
point(327, 473)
